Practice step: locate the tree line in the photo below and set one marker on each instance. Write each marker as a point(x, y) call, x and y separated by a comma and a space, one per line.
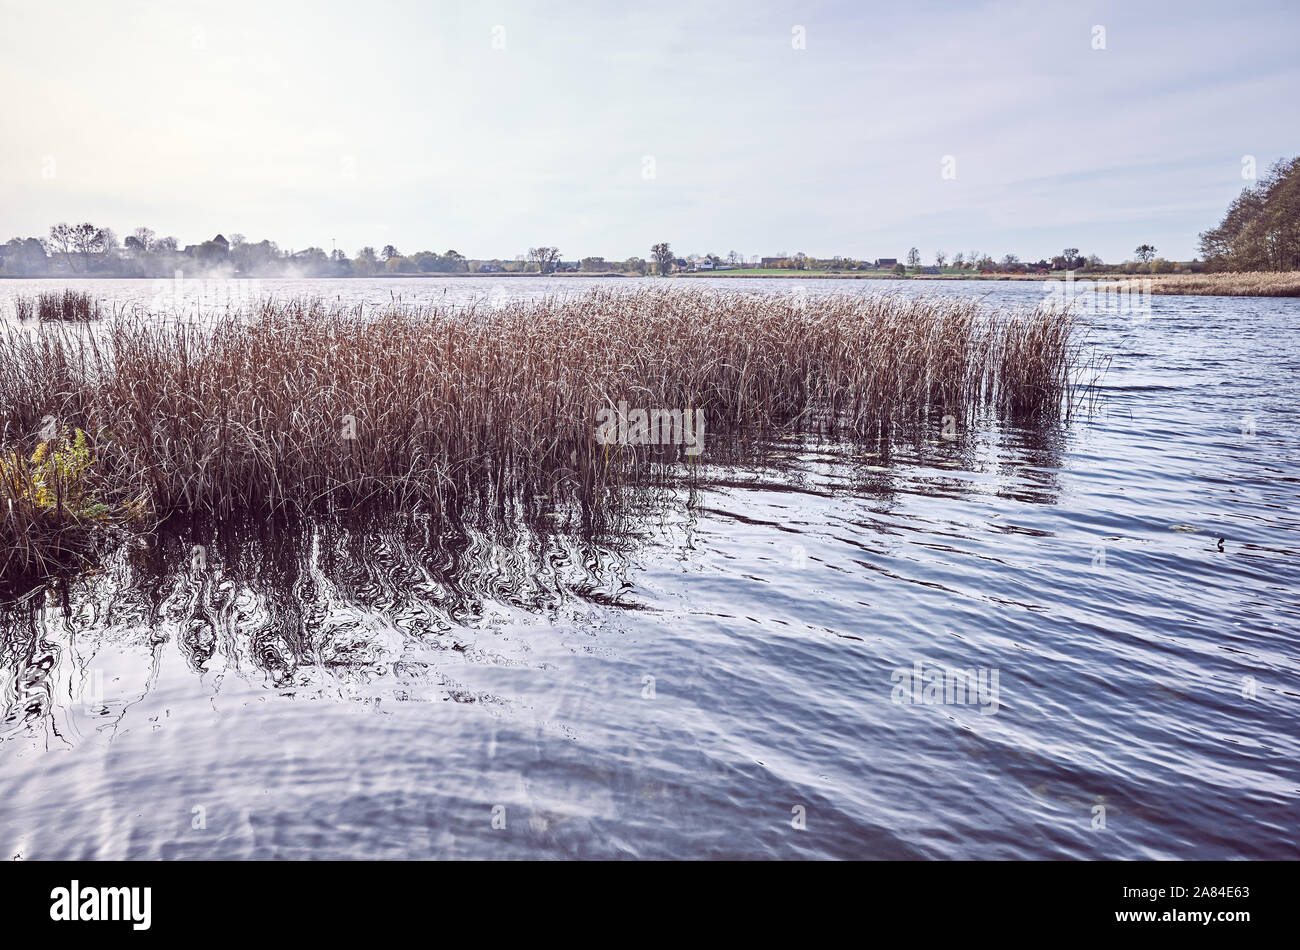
point(1261, 230)
point(86, 250)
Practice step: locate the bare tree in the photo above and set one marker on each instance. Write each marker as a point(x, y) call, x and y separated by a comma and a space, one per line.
point(87, 238)
point(80, 239)
point(144, 239)
point(940, 258)
point(61, 242)
point(545, 257)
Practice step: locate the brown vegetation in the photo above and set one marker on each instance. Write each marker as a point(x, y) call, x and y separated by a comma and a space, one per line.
point(303, 406)
point(68, 305)
point(1252, 284)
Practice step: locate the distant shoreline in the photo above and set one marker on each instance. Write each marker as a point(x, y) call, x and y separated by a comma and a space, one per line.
point(879, 275)
point(421, 276)
point(1220, 284)
point(785, 274)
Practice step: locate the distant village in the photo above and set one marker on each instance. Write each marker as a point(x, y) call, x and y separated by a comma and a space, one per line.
point(85, 250)
point(709, 263)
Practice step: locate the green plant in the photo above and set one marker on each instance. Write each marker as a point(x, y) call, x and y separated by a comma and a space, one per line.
point(50, 511)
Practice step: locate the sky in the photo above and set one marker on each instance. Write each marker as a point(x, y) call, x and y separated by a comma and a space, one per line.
point(857, 129)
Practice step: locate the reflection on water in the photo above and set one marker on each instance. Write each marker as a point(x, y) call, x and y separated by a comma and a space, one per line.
point(677, 682)
point(358, 607)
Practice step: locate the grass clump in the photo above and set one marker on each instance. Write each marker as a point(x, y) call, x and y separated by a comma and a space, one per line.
point(71, 306)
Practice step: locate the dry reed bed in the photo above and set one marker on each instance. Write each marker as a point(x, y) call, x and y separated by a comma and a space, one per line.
point(252, 412)
point(1245, 284)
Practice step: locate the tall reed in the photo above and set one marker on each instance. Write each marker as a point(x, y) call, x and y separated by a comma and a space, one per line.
point(300, 405)
point(59, 305)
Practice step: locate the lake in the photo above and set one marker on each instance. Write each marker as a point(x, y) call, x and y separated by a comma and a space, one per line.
point(1021, 643)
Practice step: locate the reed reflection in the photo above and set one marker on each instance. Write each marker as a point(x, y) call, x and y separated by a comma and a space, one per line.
point(364, 604)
